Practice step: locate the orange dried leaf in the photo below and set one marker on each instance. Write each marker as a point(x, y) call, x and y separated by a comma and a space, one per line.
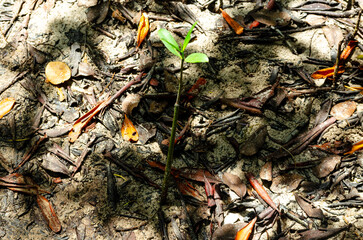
point(84, 120)
point(326, 72)
point(49, 214)
point(343, 110)
point(357, 146)
point(348, 51)
point(261, 191)
point(128, 131)
point(246, 231)
point(57, 72)
point(5, 106)
point(238, 29)
point(143, 29)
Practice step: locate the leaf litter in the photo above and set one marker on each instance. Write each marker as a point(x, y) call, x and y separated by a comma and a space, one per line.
point(282, 129)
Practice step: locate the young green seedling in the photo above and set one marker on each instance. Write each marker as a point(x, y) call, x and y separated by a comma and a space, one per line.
point(173, 47)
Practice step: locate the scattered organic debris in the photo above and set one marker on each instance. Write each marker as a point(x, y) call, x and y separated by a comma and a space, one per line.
point(261, 102)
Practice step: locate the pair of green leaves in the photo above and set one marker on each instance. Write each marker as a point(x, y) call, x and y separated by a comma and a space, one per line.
point(170, 43)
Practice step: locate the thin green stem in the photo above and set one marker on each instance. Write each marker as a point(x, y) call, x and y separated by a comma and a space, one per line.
point(169, 160)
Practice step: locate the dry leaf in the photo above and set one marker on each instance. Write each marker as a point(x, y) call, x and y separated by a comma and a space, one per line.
point(271, 18)
point(308, 208)
point(246, 231)
point(321, 234)
point(53, 164)
point(57, 72)
point(118, 15)
point(238, 29)
point(234, 183)
point(86, 70)
point(128, 131)
point(333, 34)
point(254, 142)
point(266, 171)
point(326, 166)
point(228, 231)
point(85, 119)
point(130, 102)
point(357, 146)
point(343, 110)
point(49, 214)
point(143, 29)
point(5, 106)
point(98, 13)
point(286, 183)
point(326, 72)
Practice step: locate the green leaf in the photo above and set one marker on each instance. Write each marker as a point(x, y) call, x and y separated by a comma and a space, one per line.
point(169, 42)
point(187, 38)
point(197, 58)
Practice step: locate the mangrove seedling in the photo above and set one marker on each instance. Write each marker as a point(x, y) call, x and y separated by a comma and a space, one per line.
point(170, 43)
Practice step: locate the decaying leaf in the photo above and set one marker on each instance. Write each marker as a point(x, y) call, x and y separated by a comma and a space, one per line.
point(287, 182)
point(57, 72)
point(146, 131)
point(128, 131)
point(98, 13)
point(261, 191)
point(84, 120)
point(326, 166)
point(5, 106)
point(246, 231)
point(130, 102)
point(228, 231)
point(333, 34)
point(320, 234)
point(49, 214)
point(238, 29)
point(118, 15)
point(266, 171)
point(53, 164)
point(327, 72)
point(86, 70)
point(343, 110)
point(234, 183)
point(271, 18)
point(143, 29)
point(254, 142)
point(308, 208)
point(344, 57)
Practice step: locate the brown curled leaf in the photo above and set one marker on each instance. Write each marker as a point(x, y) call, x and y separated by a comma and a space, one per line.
point(130, 102)
point(57, 72)
point(234, 183)
point(5, 106)
point(49, 214)
point(238, 29)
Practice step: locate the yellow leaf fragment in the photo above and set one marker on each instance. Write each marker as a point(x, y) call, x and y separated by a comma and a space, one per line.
point(5, 106)
point(60, 94)
point(128, 131)
point(357, 146)
point(57, 72)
